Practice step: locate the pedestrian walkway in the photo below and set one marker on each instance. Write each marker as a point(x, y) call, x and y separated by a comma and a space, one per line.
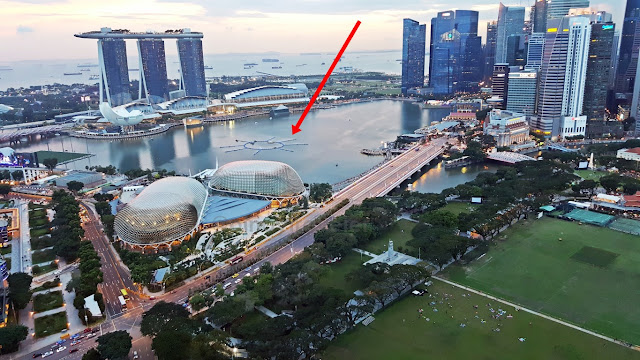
point(519, 307)
point(365, 252)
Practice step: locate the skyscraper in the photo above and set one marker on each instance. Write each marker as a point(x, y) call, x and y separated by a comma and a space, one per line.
point(510, 29)
point(500, 85)
point(414, 37)
point(192, 78)
point(562, 78)
point(490, 49)
point(521, 93)
point(455, 62)
point(629, 48)
point(535, 47)
point(539, 16)
point(114, 70)
point(153, 67)
point(598, 70)
point(556, 9)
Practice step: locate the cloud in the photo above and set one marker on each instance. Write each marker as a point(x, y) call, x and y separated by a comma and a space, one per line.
point(23, 29)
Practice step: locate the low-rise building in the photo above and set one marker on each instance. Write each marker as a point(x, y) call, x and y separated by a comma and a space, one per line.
point(632, 154)
point(507, 127)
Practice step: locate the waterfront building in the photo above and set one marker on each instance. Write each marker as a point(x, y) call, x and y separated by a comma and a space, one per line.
point(192, 79)
point(269, 95)
point(413, 51)
point(455, 49)
point(507, 127)
point(521, 92)
point(510, 29)
point(562, 78)
point(598, 71)
point(539, 16)
point(535, 48)
point(500, 86)
point(490, 49)
point(114, 71)
point(557, 9)
point(153, 70)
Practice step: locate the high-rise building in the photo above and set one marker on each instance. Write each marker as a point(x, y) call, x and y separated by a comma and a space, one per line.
point(414, 38)
point(490, 49)
point(539, 16)
point(598, 70)
point(500, 86)
point(510, 29)
point(562, 78)
point(535, 47)
point(192, 78)
point(629, 49)
point(522, 90)
point(556, 9)
point(455, 52)
point(114, 82)
point(153, 68)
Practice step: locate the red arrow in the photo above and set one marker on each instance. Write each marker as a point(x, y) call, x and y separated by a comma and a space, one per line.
point(296, 128)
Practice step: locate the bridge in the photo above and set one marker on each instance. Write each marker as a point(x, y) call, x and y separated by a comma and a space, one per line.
point(509, 157)
point(15, 136)
point(559, 147)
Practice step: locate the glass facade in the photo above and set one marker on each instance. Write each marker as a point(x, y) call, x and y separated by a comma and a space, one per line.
point(192, 67)
point(166, 211)
point(413, 46)
point(535, 47)
point(629, 48)
point(556, 9)
point(455, 63)
point(598, 71)
point(268, 179)
point(154, 69)
point(490, 48)
point(115, 70)
point(521, 93)
point(510, 28)
point(539, 16)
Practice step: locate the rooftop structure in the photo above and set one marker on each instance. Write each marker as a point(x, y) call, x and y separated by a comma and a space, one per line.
point(221, 210)
point(167, 211)
point(88, 178)
point(121, 115)
point(108, 33)
point(269, 95)
point(632, 154)
point(507, 127)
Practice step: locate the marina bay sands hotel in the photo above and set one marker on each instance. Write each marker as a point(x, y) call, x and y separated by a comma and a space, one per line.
point(114, 70)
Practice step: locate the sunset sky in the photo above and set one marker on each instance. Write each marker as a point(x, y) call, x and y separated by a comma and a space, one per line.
point(43, 29)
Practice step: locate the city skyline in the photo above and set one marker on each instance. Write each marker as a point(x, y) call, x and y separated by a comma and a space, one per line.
point(44, 31)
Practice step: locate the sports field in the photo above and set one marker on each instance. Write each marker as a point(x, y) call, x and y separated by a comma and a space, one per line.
point(400, 233)
point(60, 155)
point(458, 207)
point(584, 274)
point(400, 332)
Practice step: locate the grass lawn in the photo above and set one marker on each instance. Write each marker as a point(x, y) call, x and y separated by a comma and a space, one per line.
point(458, 207)
point(39, 270)
point(38, 222)
point(589, 278)
point(335, 273)
point(590, 174)
point(5, 250)
point(400, 233)
point(50, 324)
point(48, 301)
point(39, 232)
point(400, 333)
point(41, 256)
point(38, 213)
point(61, 156)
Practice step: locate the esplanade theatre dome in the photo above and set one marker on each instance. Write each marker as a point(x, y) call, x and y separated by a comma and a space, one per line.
point(268, 179)
point(167, 210)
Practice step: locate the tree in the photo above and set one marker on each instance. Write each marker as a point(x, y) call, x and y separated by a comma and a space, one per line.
point(162, 315)
point(10, 337)
point(5, 189)
point(92, 354)
point(610, 182)
point(75, 186)
point(441, 218)
point(320, 192)
point(171, 345)
point(50, 163)
point(20, 289)
point(17, 175)
point(115, 345)
point(197, 301)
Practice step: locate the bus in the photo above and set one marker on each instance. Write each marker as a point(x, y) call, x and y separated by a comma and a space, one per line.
point(123, 303)
point(124, 294)
point(236, 260)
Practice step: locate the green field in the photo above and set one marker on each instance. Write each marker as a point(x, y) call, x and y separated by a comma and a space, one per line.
point(458, 207)
point(400, 333)
point(41, 256)
point(400, 233)
point(335, 273)
point(50, 324)
point(39, 270)
point(48, 301)
point(590, 174)
point(584, 274)
point(61, 156)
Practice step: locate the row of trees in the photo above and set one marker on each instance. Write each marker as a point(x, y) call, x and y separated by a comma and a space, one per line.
point(67, 232)
point(320, 192)
point(111, 346)
point(87, 283)
point(20, 295)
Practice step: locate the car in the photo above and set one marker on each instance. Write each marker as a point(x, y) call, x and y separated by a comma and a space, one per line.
point(207, 277)
point(256, 270)
point(135, 355)
point(87, 330)
point(226, 285)
point(61, 348)
point(91, 335)
point(418, 292)
point(152, 297)
point(73, 350)
point(235, 275)
point(36, 355)
point(247, 274)
point(238, 281)
point(48, 353)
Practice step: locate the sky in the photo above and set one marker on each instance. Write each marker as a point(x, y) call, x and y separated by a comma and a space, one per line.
point(43, 29)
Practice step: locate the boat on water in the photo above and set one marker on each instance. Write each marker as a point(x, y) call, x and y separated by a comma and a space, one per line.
point(94, 77)
point(5, 69)
point(207, 67)
point(85, 69)
point(134, 69)
point(87, 65)
point(250, 64)
point(302, 65)
point(322, 64)
point(74, 73)
point(270, 60)
point(276, 67)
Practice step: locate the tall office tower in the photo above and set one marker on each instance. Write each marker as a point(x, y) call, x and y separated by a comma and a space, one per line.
point(455, 62)
point(628, 54)
point(614, 57)
point(521, 91)
point(414, 37)
point(535, 49)
point(556, 9)
point(510, 29)
point(598, 71)
point(500, 86)
point(539, 16)
point(490, 49)
point(192, 79)
point(153, 70)
point(562, 78)
point(114, 71)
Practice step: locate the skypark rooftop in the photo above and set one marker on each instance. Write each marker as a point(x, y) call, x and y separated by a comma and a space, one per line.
point(108, 33)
